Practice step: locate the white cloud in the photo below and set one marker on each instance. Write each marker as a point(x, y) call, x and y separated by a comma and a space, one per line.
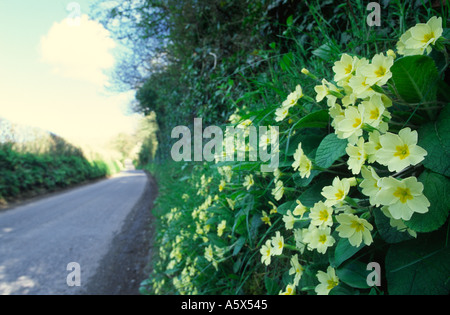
point(80, 51)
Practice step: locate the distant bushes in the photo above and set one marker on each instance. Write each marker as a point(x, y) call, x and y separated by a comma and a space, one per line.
point(22, 173)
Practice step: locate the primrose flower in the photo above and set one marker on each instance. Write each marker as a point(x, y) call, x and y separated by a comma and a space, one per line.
point(336, 192)
point(281, 113)
point(403, 197)
point(374, 110)
point(222, 185)
point(378, 71)
point(300, 244)
point(289, 220)
point(328, 280)
point(278, 191)
point(266, 253)
point(357, 155)
point(277, 244)
point(290, 290)
point(355, 229)
point(293, 97)
point(400, 151)
point(300, 209)
point(296, 269)
point(344, 68)
point(419, 38)
point(369, 184)
point(327, 89)
point(248, 181)
point(221, 227)
point(350, 127)
point(265, 218)
point(321, 215)
point(372, 146)
point(319, 238)
point(302, 162)
point(209, 253)
point(274, 208)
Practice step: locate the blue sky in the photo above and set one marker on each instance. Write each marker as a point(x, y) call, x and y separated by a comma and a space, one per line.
point(52, 69)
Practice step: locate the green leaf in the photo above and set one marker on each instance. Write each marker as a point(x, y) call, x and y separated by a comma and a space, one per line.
point(290, 20)
point(344, 250)
point(437, 190)
point(285, 207)
point(354, 273)
point(415, 78)
point(272, 286)
point(239, 244)
point(434, 137)
point(388, 233)
point(419, 266)
point(330, 149)
point(318, 119)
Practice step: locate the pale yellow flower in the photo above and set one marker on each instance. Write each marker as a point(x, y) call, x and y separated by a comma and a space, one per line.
point(321, 215)
point(357, 155)
point(277, 244)
point(222, 185)
point(403, 197)
point(266, 253)
point(300, 244)
point(328, 280)
point(350, 127)
point(319, 238)
point(290, 290)
point(374, 110)
point(399, 151)
point(274, 208)
point(300, 209)
point(281, 113)
point(369, 185)
point(372, 146)
point(293, 97)
point(357, 230)
point(265, 218)
point(289, 220)
point(335, 193)
point(327, 89)
point(221, 227)
point(378, 71)
point(278, 191)
point(421, 36)
point(248, 181)
point(296, 269)
point(344, 68)
point(302, 162)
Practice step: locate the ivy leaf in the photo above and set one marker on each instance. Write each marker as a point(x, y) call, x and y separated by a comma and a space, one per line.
point(415, 78)
point(419, 266)
point(434, 137)
point(330, 149)
point(437, 190)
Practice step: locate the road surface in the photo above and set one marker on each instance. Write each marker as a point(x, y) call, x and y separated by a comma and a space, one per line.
point(57, 244)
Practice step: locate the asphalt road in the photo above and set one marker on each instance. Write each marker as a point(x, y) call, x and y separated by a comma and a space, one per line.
point(58, 244)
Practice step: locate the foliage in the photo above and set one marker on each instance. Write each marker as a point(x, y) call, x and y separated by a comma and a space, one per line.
point(25, 173)
point(355, 147)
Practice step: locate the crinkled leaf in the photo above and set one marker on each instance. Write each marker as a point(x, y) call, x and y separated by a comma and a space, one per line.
point(330, 149)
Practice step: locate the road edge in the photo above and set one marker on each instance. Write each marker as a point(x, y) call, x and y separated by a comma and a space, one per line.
point(128, 261)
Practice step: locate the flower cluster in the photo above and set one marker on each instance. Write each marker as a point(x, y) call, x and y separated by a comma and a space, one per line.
point(360, 114)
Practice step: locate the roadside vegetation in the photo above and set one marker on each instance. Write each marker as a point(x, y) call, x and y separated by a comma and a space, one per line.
point(359, 201)
point(33, 162)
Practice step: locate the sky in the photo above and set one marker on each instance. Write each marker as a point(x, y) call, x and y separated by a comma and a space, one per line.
point(53, 60)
